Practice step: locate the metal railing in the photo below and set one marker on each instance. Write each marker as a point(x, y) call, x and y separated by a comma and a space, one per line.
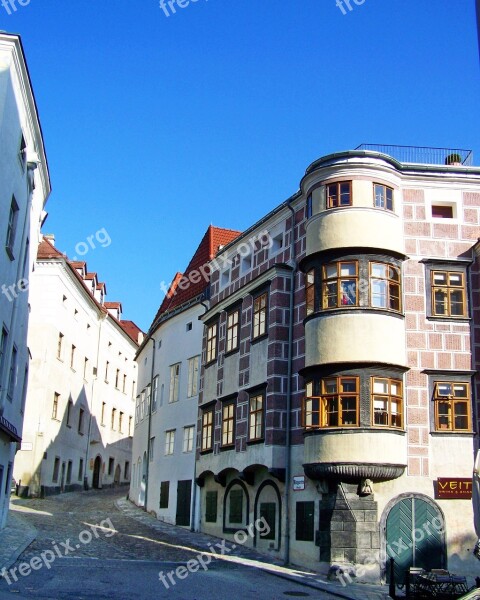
point(423, 155)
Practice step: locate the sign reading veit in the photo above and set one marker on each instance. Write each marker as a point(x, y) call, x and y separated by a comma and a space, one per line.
point(454, 488)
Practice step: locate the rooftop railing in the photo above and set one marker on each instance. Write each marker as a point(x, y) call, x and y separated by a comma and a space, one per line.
point(423, 155)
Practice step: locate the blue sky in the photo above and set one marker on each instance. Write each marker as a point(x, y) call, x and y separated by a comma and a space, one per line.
point(156, 127)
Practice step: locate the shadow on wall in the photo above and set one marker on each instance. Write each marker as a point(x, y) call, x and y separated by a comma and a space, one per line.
point(77, 458)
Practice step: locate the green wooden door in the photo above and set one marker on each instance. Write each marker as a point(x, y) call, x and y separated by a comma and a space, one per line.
point(414, 537)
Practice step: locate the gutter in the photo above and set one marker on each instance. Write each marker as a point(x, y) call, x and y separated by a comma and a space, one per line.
point(288, 448)
point(149, 425)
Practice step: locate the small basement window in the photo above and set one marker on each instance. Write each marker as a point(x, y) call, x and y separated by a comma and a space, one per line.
point(443, 211)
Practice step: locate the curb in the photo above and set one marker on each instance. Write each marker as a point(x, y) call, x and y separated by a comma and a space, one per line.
point(16, 536)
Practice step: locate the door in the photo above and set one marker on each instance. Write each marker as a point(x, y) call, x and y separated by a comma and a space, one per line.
point(97, 466)
point(184, 496)
point(116, 479)
point(415, 537)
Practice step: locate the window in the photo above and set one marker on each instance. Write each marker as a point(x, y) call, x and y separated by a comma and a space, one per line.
point(148, 397)
point(189, 326)
point(169, 442)
point(80, 421)
point(111, 464)
point(340, 284)
point(85, 367)
point(207, 430)
point(211, 503)
point(155, 394)
point(69, 412)
point(256, 417)
point(233, 319)
point(124, 385)
point(22, 153)
point(151, 449)
point(72, 357)
point(102, 420)
point(211, 342)
point(56, 401)
point(268, 514)
point(235, 514)
point(126, 472)
point(137, 410)
point(228, 424)
point(304, 523)
point(260, 315)
point(452, 406)
point(339, 194)
point(112, 420)
point(448, 294)
point(107, 364)
point(12, 375)
point(3, 350)
point(193, 364)
point(142, 404)
point(309, 207)
point(60, 346)
point(80, 470)
point(385, 291)
point(277, 243)
point(164, 493)
point(117, 378)
point(310, 292)
point(120, 422)
point(188, 438)
point(382, 196)
point(129, 426)
point(69, 471)
point(11, 227)
point(225, 278)
point(336, 406)
point(442, 211)
point(174, 381)
point(387, 402)
point(56, 469)
point(246, 264)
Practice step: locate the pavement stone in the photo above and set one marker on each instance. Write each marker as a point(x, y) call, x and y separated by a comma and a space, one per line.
point(14, 539)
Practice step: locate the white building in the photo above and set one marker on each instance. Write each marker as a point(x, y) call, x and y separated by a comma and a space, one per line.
point(168, 375)
point(24, 189)
point(80, 401)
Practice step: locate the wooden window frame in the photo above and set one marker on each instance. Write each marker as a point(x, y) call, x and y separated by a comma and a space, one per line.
point(390, 283)
point(56, 402)
point(310, 292)
point(315, 408)
point(211, 344)
point(390, 398)
point(452, 402)
point(233, 330)
point(259, 309)
point(228, 424)
point(385, 200)
point(330, 203)
point(255, 415)
point(449, 289)
point(339, 278)
point(207, 430)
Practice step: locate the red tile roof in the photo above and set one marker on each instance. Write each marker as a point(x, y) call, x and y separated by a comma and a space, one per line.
point(214, 238)
point(131, 330)
point(113, 305)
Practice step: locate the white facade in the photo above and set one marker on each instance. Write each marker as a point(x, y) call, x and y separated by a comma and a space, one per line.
point(80, 401)
point(24, 189)
point(175, 381)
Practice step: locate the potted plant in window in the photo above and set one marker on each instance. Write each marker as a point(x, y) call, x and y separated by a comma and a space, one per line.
point(453, 159)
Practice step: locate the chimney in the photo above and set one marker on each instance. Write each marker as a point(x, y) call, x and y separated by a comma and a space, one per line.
point(50, 237)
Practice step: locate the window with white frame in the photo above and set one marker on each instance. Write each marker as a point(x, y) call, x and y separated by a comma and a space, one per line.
point(193, 365)
point(188, 438)
point(174, 382)
point(169, 442)
point(11, 227)
point(155, 394)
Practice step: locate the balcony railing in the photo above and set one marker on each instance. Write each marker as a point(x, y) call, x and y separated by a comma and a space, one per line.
point(423, 155)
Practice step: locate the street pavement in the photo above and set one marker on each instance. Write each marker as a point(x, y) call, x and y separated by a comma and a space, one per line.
point(97, 545)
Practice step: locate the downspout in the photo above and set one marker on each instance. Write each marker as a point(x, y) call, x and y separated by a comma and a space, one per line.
point(149, 425)
point(288, 453)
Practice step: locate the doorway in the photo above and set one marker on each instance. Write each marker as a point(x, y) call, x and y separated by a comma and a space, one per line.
point(116, 479)
point(184, 497)
point(97, 467)
point(415, 535)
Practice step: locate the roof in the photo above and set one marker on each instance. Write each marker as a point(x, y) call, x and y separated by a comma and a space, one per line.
point(46, 250)
point(212, 241)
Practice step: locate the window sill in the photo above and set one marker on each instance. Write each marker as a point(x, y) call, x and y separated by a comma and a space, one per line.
point(449, 319)
point(232, 352)
point(227, 448)
point(441, 433)
point(255, 442)
point(260, 338)
point(207, 451)
point(210, 363)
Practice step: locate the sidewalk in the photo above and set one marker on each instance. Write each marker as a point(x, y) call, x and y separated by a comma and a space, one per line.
point(14, 539)
point(250, 557)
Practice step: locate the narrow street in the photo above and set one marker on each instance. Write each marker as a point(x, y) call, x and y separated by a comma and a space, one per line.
point(87, 548)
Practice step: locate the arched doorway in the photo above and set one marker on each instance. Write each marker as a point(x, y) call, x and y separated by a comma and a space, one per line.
point(268, 508)
point(97, 469)
point(116, 479)
point(414, 534)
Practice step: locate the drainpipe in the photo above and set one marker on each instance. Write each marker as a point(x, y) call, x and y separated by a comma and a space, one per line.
point(288, 453)
point(149, 425)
